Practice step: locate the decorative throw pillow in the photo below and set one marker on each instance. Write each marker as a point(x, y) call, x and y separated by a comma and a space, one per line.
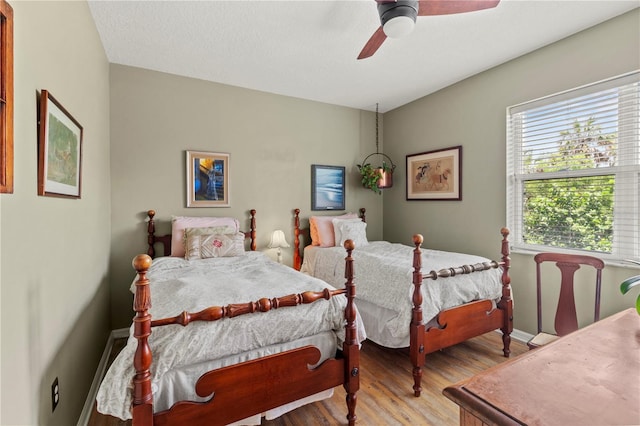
point(203, 246)
point(337, 230)
point(207, 231)
point(355, 231)
point(180, 223)
point(321, 229)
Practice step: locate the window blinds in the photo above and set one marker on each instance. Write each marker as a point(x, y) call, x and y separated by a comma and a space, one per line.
point(573, 173)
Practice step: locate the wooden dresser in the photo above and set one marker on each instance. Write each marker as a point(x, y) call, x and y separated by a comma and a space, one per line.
point(589, 377)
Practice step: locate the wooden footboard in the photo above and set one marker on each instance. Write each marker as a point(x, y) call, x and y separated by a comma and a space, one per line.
point(256, 386)
point(455, 325)
point(251, 387)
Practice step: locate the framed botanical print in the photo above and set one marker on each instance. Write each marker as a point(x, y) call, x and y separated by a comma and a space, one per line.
point(59, 150)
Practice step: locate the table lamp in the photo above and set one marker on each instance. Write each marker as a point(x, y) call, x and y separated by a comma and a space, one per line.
point(278, 241)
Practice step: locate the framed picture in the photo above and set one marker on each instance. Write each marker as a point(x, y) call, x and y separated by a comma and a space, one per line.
point(59, 150)
point(435, 175)
point(327, 187)
point(207, 179)
point(6, 103)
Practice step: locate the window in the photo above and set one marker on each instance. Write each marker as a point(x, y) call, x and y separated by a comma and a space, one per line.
point(573, 171)
point(6, 97)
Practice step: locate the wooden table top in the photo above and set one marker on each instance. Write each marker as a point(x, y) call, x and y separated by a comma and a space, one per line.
point(589, 377)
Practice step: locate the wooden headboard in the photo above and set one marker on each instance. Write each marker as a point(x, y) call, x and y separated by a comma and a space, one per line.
point(165, 240)
point(298, 252)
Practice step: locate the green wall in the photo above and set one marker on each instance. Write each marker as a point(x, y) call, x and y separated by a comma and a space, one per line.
point(472, 113)
point(65, 266)
point(272, 141)
point(55, 251)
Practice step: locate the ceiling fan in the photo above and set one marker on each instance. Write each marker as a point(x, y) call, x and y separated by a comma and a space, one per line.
point(398, 17)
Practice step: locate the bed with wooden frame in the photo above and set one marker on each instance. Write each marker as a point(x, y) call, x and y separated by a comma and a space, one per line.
point(449, 326)
point(251, 387)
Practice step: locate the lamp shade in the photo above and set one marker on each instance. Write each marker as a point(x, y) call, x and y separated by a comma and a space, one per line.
point(278, 240)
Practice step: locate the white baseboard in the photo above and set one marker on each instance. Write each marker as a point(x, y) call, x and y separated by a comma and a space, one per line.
point(97, 378)
point(120, 333)
point(519, 335)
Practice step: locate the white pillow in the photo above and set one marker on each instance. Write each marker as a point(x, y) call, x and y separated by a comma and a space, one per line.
point(321, 229)
point(352, 230)
point(337, 230)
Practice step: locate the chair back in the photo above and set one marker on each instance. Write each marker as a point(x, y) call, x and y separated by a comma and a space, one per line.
point(566, 319)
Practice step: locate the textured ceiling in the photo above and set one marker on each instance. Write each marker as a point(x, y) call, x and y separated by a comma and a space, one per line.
point(308, 49)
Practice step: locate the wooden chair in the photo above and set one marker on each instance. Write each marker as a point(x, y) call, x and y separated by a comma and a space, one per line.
point(566, 319)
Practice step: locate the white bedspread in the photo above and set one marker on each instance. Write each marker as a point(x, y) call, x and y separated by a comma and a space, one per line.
point(383, 274)
point(177, 285)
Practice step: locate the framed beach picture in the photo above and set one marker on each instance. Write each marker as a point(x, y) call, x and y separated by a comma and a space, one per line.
point(59, 150)
point(327, 187)
point(207, 179)
point(435, 175)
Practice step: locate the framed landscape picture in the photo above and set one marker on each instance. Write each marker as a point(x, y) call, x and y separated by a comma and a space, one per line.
point(435, 175)
point(59, 150)
point(327, 187)
point(207, 179)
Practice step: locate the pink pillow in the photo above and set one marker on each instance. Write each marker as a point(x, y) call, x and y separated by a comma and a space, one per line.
point(179, 223)
point(321, 228)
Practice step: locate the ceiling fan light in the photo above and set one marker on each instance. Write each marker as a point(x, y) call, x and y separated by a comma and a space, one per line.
point(398, 18)
point(398, 27)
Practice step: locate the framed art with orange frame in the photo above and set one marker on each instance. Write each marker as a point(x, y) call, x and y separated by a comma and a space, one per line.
point(6, 98)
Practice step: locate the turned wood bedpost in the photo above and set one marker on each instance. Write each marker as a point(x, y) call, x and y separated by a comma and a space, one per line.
point(253, 229)
point(416, 349)
point(506, 303)
point(297, 261)
point(142, 394)
point(151, 230)
point(350, 346)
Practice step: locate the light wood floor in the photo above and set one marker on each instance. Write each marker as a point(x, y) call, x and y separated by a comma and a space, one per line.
point(386, 395)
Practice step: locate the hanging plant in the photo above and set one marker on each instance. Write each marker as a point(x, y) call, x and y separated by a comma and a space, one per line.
point(386, 171)
point(378, 177)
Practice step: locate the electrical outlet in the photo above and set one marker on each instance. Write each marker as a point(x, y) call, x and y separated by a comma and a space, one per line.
point(55, 394)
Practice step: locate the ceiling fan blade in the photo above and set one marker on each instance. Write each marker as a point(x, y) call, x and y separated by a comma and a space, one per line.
point(448, 7)
point(373, 44)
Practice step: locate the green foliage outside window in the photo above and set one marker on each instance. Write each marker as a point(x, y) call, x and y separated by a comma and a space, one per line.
point(579, 213)
point(571, 211)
